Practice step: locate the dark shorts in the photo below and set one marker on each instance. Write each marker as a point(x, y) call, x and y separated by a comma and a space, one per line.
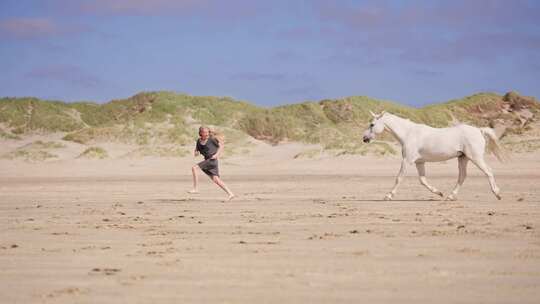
point(210, 167)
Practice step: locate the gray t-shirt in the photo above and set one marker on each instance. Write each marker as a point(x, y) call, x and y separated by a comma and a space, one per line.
point(209, 148)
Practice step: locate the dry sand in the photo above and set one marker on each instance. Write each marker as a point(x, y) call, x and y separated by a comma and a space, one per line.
point(300, 231)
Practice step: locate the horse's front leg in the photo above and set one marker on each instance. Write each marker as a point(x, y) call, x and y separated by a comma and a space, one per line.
point(399, 178)
point(421, 168)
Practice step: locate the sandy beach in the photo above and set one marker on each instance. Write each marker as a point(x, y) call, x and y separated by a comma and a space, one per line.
point(300, 231)
point(310, 108)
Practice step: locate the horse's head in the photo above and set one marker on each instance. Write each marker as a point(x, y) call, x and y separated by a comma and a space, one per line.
point(375, 127)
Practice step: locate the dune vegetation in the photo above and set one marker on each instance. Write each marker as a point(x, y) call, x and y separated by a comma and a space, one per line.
point(155, 120)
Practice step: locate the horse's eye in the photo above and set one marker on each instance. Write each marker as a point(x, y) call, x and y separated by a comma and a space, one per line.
point(371, 125)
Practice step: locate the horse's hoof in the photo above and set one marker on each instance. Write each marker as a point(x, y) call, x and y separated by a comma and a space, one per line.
point(439, 193)
point(450, 198)
point(388, 197)
point(498, 196)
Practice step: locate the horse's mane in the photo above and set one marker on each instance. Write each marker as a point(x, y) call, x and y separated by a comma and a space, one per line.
point(402, 118)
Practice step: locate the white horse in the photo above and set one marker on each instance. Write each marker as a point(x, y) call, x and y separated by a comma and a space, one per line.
point(421, 143)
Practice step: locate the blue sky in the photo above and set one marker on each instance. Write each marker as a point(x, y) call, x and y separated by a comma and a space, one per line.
point(269, 52)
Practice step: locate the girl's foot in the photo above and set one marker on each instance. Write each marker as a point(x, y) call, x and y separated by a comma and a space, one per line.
point(231, 196)
point(193, 191)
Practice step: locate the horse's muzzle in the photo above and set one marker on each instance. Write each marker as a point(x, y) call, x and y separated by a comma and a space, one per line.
point(366, 139)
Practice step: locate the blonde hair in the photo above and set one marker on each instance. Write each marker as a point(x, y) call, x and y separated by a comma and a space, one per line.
point(202, 128)
point(217, 135)
point(220, 137)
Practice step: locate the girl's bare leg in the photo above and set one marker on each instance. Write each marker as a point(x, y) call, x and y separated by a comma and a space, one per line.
point(222, 185)
point(195, 179)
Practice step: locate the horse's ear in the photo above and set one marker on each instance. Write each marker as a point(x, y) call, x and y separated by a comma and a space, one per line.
point(372, 114)
point(382, 113)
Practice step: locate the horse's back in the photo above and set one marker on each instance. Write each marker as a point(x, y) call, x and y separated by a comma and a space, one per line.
point(469, 132)
point(439, 144)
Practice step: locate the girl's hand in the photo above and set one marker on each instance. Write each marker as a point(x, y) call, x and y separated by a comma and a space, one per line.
point(215, 156)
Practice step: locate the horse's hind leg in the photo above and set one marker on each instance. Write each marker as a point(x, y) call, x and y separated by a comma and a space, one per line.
point(462, 165)
point(481, 164)
point(399, 178)
point(422, 176)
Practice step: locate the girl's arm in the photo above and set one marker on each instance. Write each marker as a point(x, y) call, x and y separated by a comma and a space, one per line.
point(196, 151)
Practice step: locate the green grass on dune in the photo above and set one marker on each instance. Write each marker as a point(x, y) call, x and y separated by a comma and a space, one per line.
point(158, 151)
point(160, 118)
point(30, 156)
point(31, 114)
point(94, 153)
point(8, 135)
point(35, 151)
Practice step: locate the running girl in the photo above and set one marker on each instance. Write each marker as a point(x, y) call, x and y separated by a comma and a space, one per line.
point(210, 147)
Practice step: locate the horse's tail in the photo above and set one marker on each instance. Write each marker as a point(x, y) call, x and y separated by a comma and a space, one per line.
point(493, 144)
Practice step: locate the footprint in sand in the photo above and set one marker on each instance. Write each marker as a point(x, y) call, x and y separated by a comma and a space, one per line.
point(105, 271)
point(132, 279)
point(325, 236)
point(169, 262)
point(67, 291)
point(13, 246)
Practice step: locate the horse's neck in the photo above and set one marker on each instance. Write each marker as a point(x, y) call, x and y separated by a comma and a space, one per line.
point(399, 127)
